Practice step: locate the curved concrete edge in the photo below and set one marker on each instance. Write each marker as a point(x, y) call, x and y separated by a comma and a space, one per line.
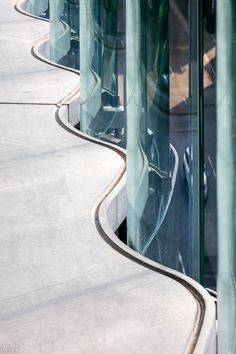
point(23, 7)
point(110, 210)
point(41, 51)
point(62, 114)
point(107, 215)
point(41, 48)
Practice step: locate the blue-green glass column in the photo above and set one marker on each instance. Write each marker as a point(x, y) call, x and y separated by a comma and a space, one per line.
point(149, 185)
point(226, 173)
point(102, 69)
point(196, 144)
point(90, 81)
point(59, 31)
point(165, 132)
point(64, 32)
point(137, 162)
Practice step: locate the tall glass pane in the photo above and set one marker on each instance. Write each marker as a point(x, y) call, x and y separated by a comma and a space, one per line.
point(164, 126)
point(210, 202)
point(102, 30)
point(137, 161)
point(151, 160)
point(195, 142)
point(226, 173)
point(64, 32)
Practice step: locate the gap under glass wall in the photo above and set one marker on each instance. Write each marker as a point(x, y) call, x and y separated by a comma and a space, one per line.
point(170, 104)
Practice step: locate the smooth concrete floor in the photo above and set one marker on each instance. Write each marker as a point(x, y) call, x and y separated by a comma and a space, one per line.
point(63, 289)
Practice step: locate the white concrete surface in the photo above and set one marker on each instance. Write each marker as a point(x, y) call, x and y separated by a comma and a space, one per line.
point(23, 79)
point(63, 289)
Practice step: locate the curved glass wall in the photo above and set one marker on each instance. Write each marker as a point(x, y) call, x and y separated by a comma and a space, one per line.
point(64, 32)
point(150, 170)
point(102, 69)
point(145, 84)
point(148, 78)
point(153, 160)
point(168, 77)
point(170, 95)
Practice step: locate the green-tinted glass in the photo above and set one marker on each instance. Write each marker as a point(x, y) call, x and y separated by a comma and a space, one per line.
point(226, 172)
point(167, 186)
point(64, 32)
point(102, 69)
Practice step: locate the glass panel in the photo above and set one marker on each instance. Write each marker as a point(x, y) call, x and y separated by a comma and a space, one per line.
point(226, 172)
point(195, 143)
point(102, 28)
point(209, 61)
point(151, 160)
point(164, 123)
point(64, 32)
point(137, 162)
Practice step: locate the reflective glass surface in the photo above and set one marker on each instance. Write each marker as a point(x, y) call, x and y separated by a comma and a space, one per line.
point(147, 78)
point(64, 32)
point(210, 138)
point(226, 172)
point(102, 69)
point(151, 159)
point(168, 76)
point(156, 108)
point(148, 81)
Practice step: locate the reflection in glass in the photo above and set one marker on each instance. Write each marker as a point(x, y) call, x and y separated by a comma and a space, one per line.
point(153, 89)
point(167, 182)
point(102, 31)
point(152, 159)
point(210, 217)
point(64, 32)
